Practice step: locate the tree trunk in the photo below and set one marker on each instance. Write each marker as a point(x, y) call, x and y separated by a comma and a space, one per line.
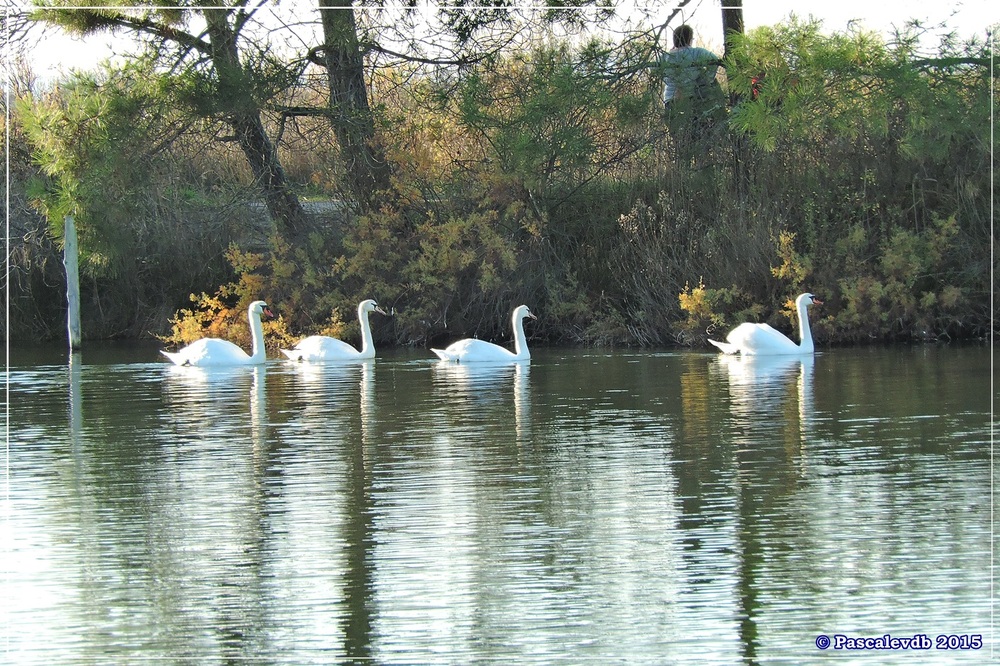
point(350, 114)
point(244, 117)
point(732, 24)
point(732, 21)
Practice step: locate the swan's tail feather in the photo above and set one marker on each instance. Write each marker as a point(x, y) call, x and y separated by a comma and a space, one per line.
point(174, 357)
point(726, 347)
point(443, 355)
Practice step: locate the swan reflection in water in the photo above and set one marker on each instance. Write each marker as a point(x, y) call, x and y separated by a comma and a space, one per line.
point(331, 396)
point(325, 385)
point(772, 390)
point(481, 388)
point(192, 384)
point(216, 399)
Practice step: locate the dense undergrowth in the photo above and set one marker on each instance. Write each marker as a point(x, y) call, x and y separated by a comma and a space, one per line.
point(846, 167)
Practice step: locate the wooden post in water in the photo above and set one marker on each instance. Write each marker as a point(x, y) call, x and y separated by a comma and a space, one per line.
point(70, 261)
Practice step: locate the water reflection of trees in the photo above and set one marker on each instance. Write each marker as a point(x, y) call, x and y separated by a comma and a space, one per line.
point(219, 489)
point(321, 501)
point(373, 517)
point(159, 548)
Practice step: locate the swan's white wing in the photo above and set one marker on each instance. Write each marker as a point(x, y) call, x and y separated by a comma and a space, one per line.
point(209, 351)
point(761, 339)
point(474, 351)
point(321, 348)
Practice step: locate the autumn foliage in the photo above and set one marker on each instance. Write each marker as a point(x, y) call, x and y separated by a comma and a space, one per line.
point(845, 166)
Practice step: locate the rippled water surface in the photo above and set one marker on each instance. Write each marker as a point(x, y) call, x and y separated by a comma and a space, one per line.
point(591, 507)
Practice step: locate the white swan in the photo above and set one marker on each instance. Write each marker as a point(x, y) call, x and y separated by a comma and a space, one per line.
point(480, 351)
point(325, 348)
point(763, 340)
point(216, 352)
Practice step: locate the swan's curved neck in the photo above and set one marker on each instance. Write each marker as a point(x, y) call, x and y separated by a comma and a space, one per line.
point(805, 334)
point(367, 345)
point(257, 336)
point(520, 342)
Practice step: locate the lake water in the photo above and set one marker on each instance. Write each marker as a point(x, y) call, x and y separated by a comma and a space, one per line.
point(592, 507)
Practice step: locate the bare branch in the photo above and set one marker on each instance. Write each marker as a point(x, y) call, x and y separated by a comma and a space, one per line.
point(301, 111)
point(15, 28)
point(677, 10)
point(460, 62)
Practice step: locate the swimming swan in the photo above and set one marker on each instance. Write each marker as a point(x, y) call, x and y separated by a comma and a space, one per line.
point(325, 348)
point(761, 339)
point(480, 351)
point(217, 352)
